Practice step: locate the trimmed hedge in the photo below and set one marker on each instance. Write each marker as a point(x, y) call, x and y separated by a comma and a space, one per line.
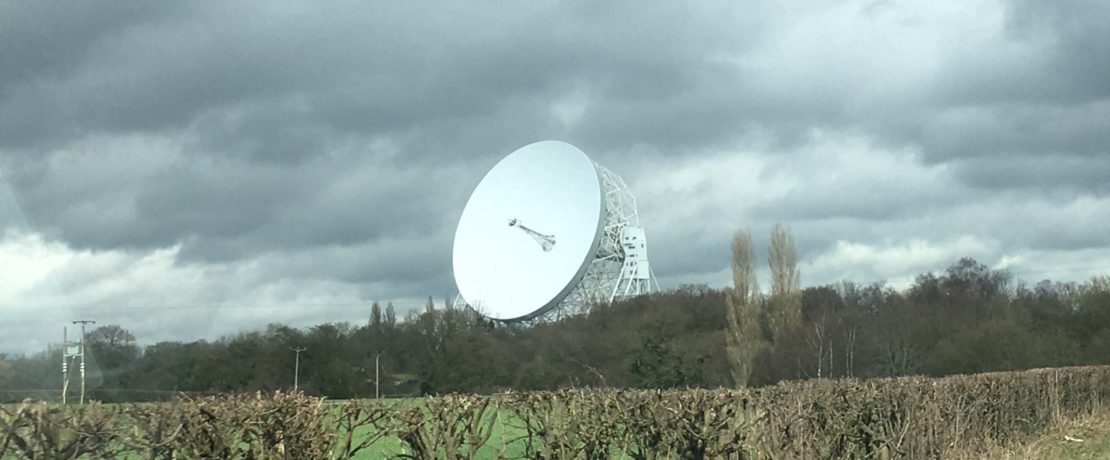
point(910, 417)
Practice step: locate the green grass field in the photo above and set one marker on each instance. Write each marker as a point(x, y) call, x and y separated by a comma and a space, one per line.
point(1085, 438)
point(506, 438)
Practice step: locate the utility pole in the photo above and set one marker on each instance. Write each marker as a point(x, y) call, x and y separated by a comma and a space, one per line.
point(65, 363)
point(297, 366)
point(377, 394)
point(83, 322)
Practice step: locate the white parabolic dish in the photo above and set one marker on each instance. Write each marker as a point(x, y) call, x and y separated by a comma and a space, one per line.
point(550, 188)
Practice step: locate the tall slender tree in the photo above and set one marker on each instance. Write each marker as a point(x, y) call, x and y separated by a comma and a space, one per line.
point(390, 316)
point(743, 334)
point(785, 305)
point(376, 316)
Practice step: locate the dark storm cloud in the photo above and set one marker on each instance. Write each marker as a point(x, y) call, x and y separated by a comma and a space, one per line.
point(222, 209)
point(283, 88)
point(1018, 131)
point(1048, 171)
point(359, 68)
point(54, 58)
point(42, 41)
point(1040, 90)
point(339, 143)
point(1078, 43)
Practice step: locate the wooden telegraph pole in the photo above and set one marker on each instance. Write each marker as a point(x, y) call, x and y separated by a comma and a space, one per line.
point(297, 366)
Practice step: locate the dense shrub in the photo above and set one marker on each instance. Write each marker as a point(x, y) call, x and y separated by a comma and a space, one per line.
point(908, 417)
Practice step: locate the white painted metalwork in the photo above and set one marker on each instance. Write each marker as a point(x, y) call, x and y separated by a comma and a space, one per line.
point(555, 187)
point(620, 268)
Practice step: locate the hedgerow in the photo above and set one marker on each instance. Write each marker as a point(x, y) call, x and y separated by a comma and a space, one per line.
point(909, 417)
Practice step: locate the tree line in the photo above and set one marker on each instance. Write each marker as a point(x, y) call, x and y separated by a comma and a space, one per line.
point(967, 319)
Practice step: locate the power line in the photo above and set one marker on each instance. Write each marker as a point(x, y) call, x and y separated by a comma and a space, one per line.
point(208, 306)
point(235, 306)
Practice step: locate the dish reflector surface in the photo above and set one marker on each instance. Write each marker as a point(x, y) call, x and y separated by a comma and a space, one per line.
point(550, 188)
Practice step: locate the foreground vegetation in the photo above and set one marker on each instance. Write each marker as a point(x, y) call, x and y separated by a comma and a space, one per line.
point(1086, 437)
point(908, 417)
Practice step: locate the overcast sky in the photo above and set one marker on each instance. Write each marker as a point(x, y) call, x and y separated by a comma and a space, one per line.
point(192, 169)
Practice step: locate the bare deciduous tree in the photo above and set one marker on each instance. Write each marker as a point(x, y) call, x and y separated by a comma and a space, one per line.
point(744, 336)
point(786, 295)
point(744, 282)
point(820, 344)
point(390, 315)
point(376, 315)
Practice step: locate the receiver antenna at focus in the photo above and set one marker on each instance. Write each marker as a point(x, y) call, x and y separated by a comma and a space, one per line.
point(546, 241)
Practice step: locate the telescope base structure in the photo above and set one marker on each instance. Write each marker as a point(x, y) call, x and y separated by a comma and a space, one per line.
point(610, 279)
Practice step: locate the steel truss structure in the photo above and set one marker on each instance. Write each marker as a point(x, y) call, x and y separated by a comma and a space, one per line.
point(620, 268)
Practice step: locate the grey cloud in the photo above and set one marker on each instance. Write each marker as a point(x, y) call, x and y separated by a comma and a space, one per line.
point(292, 89)
point(221, 208)
point(1059, 174)
point(1078, 43)
point(1016, 131)
point(1041, 90)
point(365, 71)
point(338, 144)
point(884, 198)
point(45, 41)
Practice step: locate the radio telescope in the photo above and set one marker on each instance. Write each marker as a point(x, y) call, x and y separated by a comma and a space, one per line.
point(546, 233)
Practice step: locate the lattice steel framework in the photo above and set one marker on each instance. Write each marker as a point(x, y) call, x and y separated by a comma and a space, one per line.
point(620, 269)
